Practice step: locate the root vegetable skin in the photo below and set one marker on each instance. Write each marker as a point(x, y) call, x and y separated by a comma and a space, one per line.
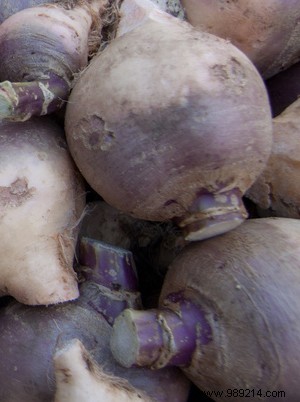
point(276, 191)
point(79, 378)
point(186, 140)
point(246, 286)
point(41, 49)
point(267, 32)
point(42, 199)
point(10, 7)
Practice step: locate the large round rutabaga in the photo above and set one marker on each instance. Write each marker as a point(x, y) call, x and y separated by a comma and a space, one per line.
point(41, 202)
point(247, 282)
point(171, 122)
point(228, 315)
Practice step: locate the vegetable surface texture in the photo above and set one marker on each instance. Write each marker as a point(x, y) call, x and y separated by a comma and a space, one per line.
point(10, 7)
point(268, 31)
point(170, 123)
point(276, 191)
point(42, 199)
point(79, 378)
point(229, 314)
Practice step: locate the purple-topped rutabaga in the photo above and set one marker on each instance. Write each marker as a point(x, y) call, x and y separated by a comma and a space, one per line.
point(41, 49)
point(228, 315)
point(168, 122)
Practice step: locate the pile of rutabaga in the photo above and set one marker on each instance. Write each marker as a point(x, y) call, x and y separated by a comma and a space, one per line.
point(149, 200)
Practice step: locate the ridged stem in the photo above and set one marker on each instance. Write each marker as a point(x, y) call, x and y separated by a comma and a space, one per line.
point(160, 337)
point(19, 101)
point(213, 214)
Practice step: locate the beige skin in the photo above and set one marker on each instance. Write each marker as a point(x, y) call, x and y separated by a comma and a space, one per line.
point(276, 191)
point(79, 378)
point(42, 200)
point(268, 31)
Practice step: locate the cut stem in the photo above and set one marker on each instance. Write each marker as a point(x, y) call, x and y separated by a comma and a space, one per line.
point(22, 100)
point(160, 337)
point(213, 214)
point(110, 277)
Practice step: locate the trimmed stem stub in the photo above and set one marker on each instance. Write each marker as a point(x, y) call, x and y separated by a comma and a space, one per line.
point(212, 215)
point(111, 283)
point(19, 101)
point(107, 265)
point(160, 337)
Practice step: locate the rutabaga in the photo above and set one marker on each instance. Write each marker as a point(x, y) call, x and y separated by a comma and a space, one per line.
point(229, 314)
point(42, 199)
point(41, 49)
point(170, 123)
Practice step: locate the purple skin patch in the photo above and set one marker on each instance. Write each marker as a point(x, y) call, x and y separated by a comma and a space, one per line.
point(188, 327)
point(108, 265)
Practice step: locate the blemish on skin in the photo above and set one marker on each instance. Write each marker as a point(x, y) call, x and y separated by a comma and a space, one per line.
point(42, 156)
point(16, 194)
point(233, 72)
point(67, 375)
point(94, 134)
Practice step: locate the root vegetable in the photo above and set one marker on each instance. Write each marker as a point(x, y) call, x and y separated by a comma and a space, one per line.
point(41, 49)
point(268, 32)
point(229, 314)
point(41, 199)
point(179, 125)
point(30, 335)
point(79, 378)
point(276, 191)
